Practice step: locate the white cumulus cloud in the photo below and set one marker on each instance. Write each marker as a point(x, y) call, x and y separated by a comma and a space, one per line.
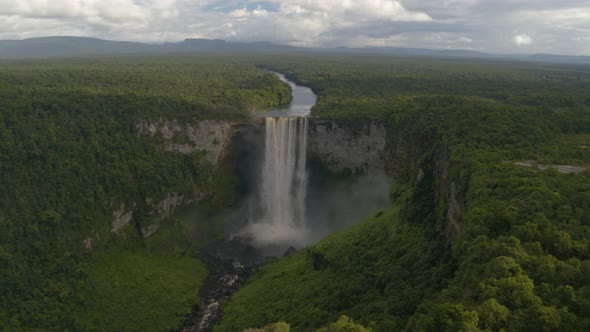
point(523, 40)
point(557, 26)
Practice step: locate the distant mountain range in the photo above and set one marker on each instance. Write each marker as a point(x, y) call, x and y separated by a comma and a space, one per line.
point(82, 46)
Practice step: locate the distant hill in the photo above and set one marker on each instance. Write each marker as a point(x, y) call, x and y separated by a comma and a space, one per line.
point(82, 46)
point(218, 45)
point(69, 46)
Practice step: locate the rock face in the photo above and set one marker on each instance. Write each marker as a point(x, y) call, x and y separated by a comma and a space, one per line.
point(291, 250)
point(448, 201)
point(338, 146)
point(158, 213)
point(121, 219)
point(371, 146)
point(413, 155)
point(89, 241)
point(161, 211)
point(211, 136)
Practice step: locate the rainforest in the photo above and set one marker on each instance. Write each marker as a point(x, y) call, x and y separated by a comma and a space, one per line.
point(177, 192)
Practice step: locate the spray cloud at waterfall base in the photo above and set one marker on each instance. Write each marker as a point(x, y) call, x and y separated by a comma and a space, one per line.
point(290, 203)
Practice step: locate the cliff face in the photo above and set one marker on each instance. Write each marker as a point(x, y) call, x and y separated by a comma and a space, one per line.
point(211, 136)
point(448, 197)
point(408, 156)
point(160, 211)
point(157, 213)
point(420, 159)
point(338, 146)
point(359, 148)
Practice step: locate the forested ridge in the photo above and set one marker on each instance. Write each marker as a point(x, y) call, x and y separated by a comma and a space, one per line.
point(70, 155)
point(481, 242)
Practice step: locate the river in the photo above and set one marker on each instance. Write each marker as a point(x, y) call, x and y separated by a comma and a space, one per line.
point(279, 218)
point(303, 100)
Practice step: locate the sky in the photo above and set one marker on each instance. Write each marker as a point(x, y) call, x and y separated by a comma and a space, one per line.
point(494, 26)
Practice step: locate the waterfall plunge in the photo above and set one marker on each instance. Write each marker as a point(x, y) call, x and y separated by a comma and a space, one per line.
point(281, 219)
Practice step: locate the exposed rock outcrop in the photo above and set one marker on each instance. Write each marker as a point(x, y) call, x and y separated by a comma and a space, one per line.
point(157, 214)
point(212, 136)
point(121, 219)
point(401, 152)
point(89, 241)
point(338, 146)
point(421, 159)
point(161, 211)
point(448, 202)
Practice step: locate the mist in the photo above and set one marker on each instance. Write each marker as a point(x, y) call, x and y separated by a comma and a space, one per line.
point(331, 202)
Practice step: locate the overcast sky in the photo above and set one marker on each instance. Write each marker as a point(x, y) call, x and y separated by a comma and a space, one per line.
point(497, 26)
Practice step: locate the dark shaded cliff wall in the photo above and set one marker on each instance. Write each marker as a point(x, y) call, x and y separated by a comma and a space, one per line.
point(419, 162)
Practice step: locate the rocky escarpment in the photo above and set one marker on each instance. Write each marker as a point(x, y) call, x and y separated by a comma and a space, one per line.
point(408, 156)
point(121, 218)
point(421, 160)
point(449, 199)
point(211, 136)
point(338, 146)
point(157, 213)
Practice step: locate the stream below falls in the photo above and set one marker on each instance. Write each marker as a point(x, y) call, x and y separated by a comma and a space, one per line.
point(276, 224)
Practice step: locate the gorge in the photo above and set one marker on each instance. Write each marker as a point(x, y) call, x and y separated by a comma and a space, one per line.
point(281, 216)
point(289, 204)
point(420, 194)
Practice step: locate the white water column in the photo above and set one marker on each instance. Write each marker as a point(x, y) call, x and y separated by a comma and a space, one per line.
point(284, 183)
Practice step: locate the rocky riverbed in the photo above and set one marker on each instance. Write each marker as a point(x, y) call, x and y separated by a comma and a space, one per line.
point(229, 264)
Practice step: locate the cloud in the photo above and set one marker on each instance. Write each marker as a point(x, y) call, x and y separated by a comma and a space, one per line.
point(522, 40)
point(463, 40)
point(114, 10)
point(314, 22)
point(557, 26)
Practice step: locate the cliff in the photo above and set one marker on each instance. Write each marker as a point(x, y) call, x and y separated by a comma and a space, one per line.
point(211, 136)
point(410, 157)
point(337, 146)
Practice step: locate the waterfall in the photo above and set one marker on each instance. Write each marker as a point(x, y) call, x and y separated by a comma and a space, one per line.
point(283, 188)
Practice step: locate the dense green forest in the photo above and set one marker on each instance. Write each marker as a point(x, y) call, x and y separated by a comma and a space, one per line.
point(483, 234)
point(70, 155)
point(482, 241)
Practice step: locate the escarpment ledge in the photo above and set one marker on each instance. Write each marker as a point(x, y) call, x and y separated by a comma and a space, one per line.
point(426, 163)
point(121, 218)
point(211, 136)
point(157, 213)
point(161, 211)
point(359, 148)
point(215, 137)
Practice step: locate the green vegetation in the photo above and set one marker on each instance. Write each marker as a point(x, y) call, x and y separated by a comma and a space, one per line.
point(377, 271)
point(143, 288)
point(491, 245)
point(344, 324)
point(474, 241)
point(70, 155)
